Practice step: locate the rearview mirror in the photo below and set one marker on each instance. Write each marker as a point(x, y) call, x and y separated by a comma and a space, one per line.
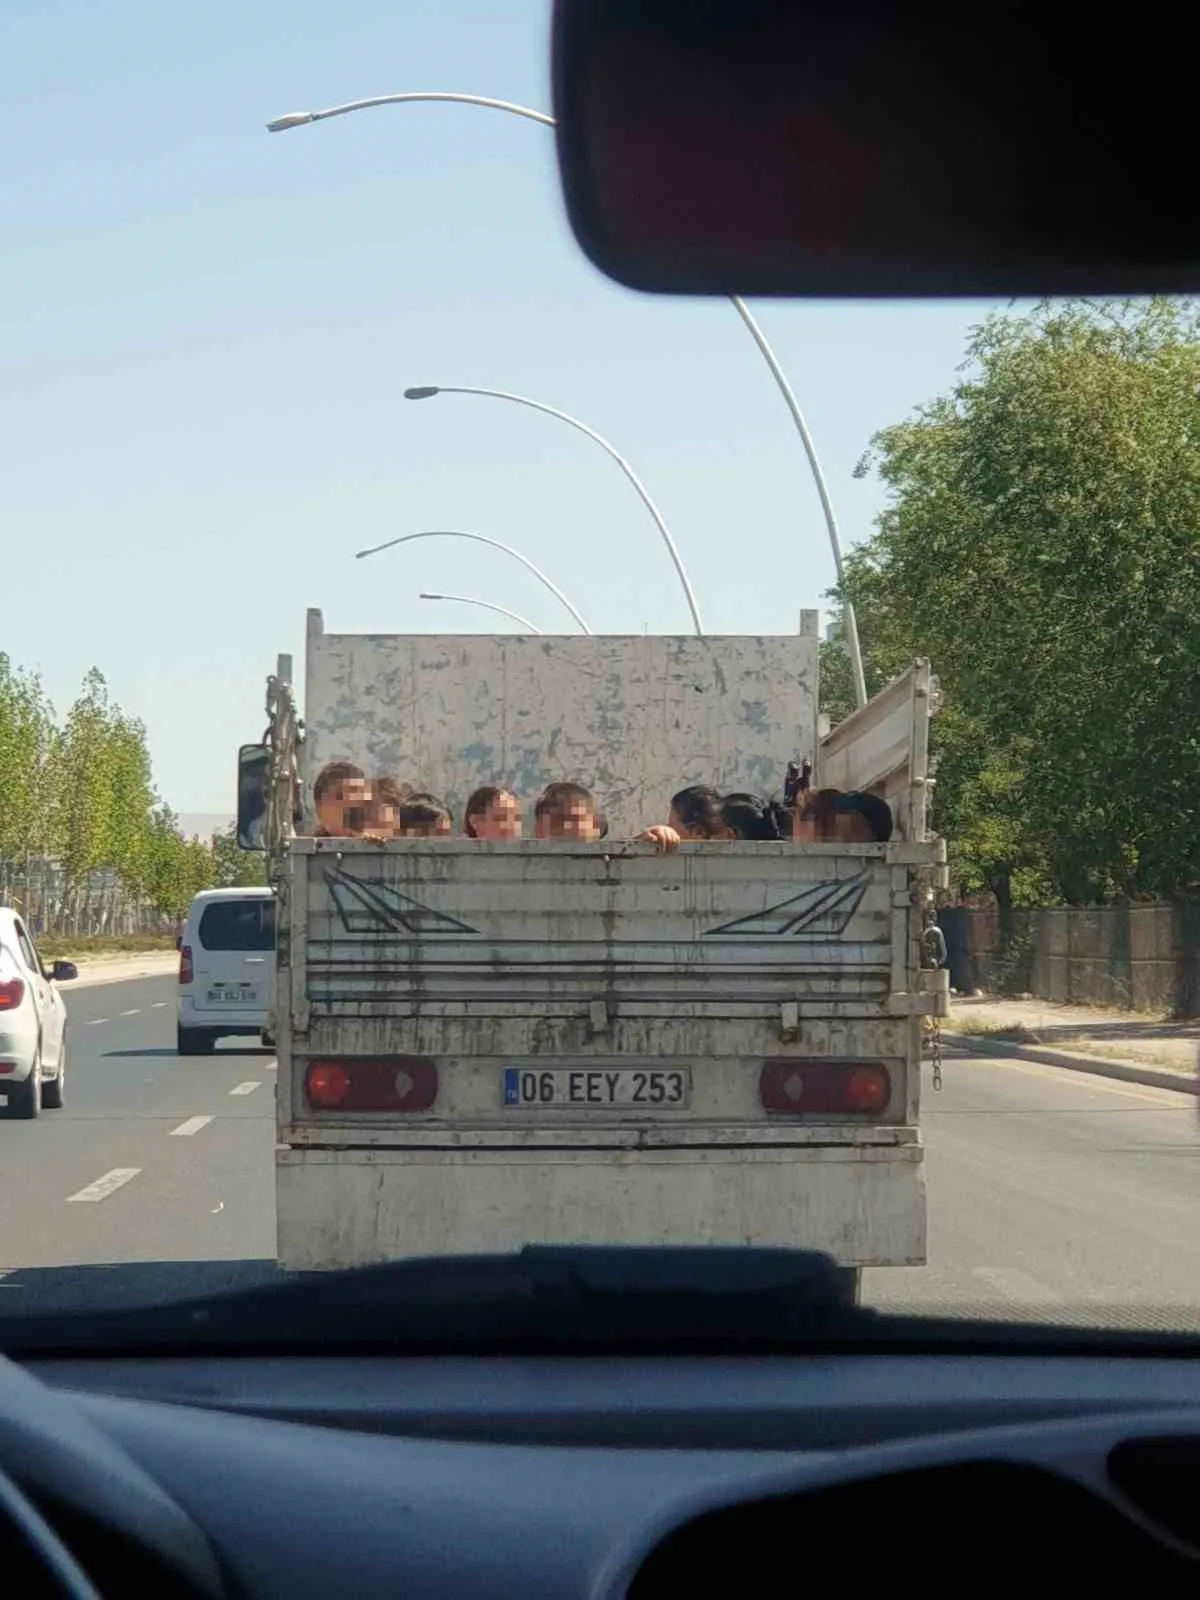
point(808, 147)
point(254, 776)
point(63, 971)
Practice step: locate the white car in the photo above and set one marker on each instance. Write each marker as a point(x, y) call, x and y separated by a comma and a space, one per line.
point(226, 968)
point(33, 1023)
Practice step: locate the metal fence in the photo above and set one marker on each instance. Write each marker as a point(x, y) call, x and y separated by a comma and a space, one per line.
point(1142, 957)
point(100, 904)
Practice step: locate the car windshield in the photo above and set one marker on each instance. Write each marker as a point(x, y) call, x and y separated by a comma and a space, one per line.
point(711, 774)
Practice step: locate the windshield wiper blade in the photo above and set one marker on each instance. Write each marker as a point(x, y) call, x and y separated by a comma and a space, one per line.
point(543, 1296)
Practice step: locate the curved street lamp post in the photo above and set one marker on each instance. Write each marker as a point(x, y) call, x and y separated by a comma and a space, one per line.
point(478, 538)
point(298, 119)
point(486, 605)
point(428, 391)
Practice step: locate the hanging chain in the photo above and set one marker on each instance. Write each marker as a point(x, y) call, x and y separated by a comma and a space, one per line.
point(931, 959)
point(935, 1050)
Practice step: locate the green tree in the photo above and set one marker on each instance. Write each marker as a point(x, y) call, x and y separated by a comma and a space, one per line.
point(128, 797)
point(177, 868)
point(1041, 546)
point(26, 738)
point(233, 867)
point(79, 811)
point(80, 832)
point(835, 682)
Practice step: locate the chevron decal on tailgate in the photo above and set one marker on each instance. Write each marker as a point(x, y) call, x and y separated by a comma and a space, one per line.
point(376, 908)
point(820, 912)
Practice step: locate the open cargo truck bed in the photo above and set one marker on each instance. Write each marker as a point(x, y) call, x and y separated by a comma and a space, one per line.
point(484, 1046)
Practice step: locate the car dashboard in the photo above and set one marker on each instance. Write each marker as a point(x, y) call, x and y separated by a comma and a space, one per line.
point(596, 1476)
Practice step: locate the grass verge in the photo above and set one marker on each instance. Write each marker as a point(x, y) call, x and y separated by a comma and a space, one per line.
point(85, 947)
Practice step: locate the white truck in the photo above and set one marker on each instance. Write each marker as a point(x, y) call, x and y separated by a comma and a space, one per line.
point(488, 1045)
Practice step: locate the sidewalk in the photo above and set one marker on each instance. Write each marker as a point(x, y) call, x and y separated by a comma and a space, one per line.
point(1136, 1046)
point(121, 969)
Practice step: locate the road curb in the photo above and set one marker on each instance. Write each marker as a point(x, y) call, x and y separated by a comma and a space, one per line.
point(1098, 1066)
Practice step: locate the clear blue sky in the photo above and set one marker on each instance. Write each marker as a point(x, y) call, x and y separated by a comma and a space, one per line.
point(205, 331)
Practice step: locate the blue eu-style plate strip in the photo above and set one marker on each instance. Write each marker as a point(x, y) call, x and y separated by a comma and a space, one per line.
point(512, 1086)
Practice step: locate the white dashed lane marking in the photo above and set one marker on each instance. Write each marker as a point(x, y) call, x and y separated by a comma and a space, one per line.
point(103, 1187)
point(192, 1125)
point(94, 1022)
point(247, 1088)
point(132, 1013)
point(158, 1005)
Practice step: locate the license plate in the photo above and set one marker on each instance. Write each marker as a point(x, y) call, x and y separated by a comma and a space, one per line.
point(596, 1088)
point(233, 997)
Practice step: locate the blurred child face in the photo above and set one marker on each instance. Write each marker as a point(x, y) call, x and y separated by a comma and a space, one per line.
point(383, 816)
point(572, 819)
point(804, 829)
point(686, 830)
point(501, 820)
point(425, 830)
point(342, 809)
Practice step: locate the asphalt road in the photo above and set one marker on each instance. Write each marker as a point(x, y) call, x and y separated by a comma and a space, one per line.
point(1058, 1196)
point(155, 1179)
point(1052, 1194)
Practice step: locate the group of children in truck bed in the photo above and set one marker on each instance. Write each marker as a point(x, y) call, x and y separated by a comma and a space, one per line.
point(349, 805)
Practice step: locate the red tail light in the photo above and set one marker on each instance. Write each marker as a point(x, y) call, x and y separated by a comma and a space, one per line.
point(327, 1083)
point(391, 1083)
point(12, 992)
point(816, 1088)
point(187, 972)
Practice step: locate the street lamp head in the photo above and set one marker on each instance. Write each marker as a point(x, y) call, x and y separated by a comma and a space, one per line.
point(431, 597)
point(422, 392)
point(294, 119)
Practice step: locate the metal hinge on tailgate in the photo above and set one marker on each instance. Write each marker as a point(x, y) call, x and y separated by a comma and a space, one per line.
point(931, 999)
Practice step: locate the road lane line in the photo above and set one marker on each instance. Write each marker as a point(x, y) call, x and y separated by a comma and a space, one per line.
point(94, 1022)
point(158, 1005)
point(1017, 1285)
point(192, 1125)
point(103, 1187)
point(247, 1088)
point(136, 1010)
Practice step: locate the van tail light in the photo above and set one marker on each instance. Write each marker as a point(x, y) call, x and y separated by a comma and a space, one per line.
point(389, 1083)
point(12, 992)
point(187, 973)
point(825, 1088)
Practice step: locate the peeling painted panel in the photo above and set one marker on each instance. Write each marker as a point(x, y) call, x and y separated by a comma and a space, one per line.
point(633, 718)
point(885, 747)
point(865, 1206)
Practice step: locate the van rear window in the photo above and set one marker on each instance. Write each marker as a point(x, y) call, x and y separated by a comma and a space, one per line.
point(238, 925)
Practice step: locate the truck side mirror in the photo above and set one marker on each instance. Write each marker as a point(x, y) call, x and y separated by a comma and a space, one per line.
point(254, 776)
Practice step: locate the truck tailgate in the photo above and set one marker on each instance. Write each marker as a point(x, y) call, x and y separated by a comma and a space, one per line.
point(574, 995)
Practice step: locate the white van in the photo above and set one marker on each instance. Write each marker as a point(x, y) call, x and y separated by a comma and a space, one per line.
point(226, 968)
